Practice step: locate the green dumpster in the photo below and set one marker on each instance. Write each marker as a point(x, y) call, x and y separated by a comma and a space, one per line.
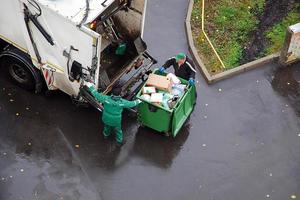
point(167, 121)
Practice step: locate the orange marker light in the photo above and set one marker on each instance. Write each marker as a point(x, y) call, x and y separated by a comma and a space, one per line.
point(93, 25)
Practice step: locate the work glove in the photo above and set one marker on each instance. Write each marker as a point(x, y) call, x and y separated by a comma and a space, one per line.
point(139, 101)
point(191, 82)
point(162, 69)
point(89, 84)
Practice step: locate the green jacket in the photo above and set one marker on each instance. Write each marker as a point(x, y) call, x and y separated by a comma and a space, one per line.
point(113, 107)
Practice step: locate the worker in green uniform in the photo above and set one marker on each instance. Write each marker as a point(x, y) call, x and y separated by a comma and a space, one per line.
point(112, 111)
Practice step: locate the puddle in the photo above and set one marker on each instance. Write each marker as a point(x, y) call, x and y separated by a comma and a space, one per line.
point(286, 82)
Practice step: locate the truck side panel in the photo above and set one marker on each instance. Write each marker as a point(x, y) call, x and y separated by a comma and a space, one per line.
point(64, 33)
point(10, 19)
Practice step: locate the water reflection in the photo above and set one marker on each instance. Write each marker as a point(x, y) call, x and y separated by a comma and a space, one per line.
point(158, 149)
point(286, 82)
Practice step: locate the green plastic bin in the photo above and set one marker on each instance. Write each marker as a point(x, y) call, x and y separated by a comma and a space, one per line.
point(164, 120)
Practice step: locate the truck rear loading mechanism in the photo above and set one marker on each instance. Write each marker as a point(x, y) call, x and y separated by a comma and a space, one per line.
point(64, 43)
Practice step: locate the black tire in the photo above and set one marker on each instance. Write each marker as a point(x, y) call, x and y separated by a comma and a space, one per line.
point(21, 70)
point(20, 74)
point(2, 44)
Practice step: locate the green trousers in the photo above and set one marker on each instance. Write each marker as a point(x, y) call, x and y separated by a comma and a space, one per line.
point(118, 132)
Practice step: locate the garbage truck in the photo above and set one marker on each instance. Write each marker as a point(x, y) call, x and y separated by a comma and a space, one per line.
point(61, 44)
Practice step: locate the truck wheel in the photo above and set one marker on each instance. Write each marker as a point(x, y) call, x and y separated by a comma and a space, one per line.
point(21, 70)
point(20, 74)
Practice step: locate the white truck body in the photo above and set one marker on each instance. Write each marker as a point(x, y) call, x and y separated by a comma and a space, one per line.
point(67, 22)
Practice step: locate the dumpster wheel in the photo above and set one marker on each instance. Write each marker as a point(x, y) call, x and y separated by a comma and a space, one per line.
point(167, 134)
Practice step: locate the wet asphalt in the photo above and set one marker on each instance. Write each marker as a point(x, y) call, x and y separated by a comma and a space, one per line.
point(241, 142)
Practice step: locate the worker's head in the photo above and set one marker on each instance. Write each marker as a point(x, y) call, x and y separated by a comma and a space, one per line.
point(116, 91)
point(180, 58)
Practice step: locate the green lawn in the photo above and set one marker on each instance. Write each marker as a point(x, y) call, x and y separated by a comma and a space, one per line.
point(277, 34)
point(228, 24)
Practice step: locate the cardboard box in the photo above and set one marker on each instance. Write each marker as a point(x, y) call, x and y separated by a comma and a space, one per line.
point(156, 98)
point(160, 82)
point(149, 90)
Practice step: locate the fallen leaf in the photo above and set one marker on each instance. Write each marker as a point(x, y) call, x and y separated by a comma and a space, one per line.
point(293, 196)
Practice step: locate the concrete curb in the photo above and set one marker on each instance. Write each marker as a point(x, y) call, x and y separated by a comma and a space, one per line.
point(223, 75)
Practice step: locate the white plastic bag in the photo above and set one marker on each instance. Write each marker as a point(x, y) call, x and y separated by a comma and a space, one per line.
point(156, 98)
point(174, 78)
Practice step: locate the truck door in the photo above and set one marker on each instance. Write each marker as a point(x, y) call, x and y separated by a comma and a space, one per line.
point(59, 48)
